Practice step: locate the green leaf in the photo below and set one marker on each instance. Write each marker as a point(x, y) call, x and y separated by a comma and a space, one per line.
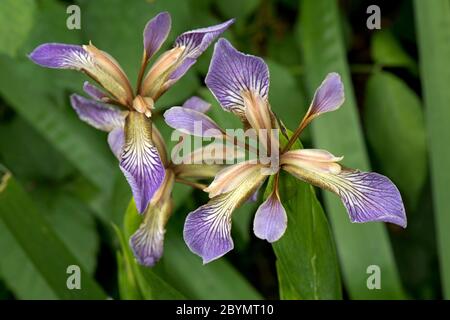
point(395, 129)
point(286, 97)
point(72, 223)
point(307, 264)
point(387, 51)
point(181, 268)
point(236, 8)
point(16, 21)
point(433, 30)
point(359, 245)
point(41, 244)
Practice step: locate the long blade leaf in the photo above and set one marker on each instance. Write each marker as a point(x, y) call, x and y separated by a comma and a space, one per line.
point(359, 246)
point(433, 29)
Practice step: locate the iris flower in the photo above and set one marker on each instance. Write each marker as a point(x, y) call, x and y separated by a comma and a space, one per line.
point(240, 83)
point(125, 114)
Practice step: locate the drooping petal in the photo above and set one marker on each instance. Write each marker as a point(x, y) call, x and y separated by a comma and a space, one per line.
point(156, 32)
point(94, 92)
point(270, 221)
point(367, 196)
point(197, 104)
point(147, 243)
point(116, 141)
point(231, 177)
point(192, 122)
point(160, 145)
point(97, 114)
point(231, 73)
point(140, 161)
point(207, 230)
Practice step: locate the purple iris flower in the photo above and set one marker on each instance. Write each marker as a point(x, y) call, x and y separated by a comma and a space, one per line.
point(240, 83)
point(125, 114)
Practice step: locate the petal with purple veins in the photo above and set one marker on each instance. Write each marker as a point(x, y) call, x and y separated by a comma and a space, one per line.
point(95, 63)
point(231, 73)
point(195, 42)
point(192, 122)
point(147, 243)
point(97, 114)
point(367, 196)
point(207, 230)
point(155, 33)
point(140, 161)
point(270, 220)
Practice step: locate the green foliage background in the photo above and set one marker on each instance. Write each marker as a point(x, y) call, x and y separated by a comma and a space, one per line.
point(64, 201)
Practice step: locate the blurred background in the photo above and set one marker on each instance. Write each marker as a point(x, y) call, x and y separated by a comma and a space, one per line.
point(65, 190)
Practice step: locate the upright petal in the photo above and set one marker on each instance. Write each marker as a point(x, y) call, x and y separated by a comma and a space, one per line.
point(155, 33)
point(174, 63)
point(95, 63)
point(192, 122)
point(140, 161)
point(194, 43)
point(367, 196)
point(147, 243)
point(197, 104)
point(97, 114)
point(231, 73)
point(94, 92)
point(207, 230)
point(328, 97)
point(270, 221)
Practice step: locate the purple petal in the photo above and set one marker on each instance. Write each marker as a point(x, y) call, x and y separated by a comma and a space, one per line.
point(147, 243)
point(94, 92)
point(195, 43)
point(61, 56)
point(140, 161)
point(197, 104)
point(156, 32)
point(232, 72)
point(198, 40)
point(329, 96)
point(95, 63)
point(116, 141)
point(181, 70)
point(367, 196)
point(191, 122)
point(207, 231)
point(97, 114)
point(270, 220)
point(372, 197)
